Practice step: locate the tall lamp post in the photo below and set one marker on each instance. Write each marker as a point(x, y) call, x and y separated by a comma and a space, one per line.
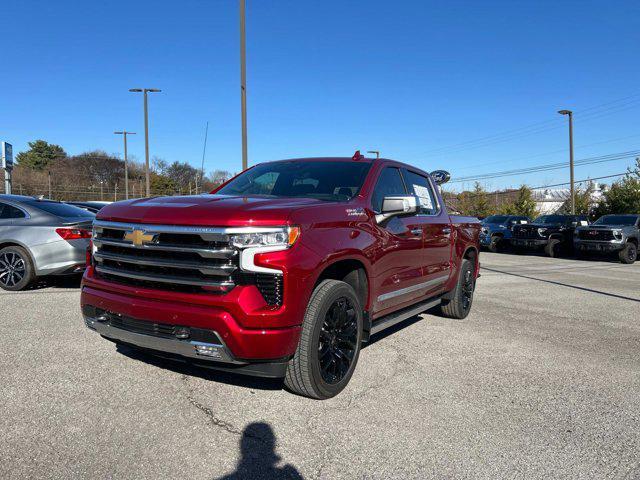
point(573, 192)
point(124, 133)
point(243, 83)
point(146, 132)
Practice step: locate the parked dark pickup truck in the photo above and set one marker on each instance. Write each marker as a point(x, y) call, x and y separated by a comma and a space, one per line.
point(611, 233)
point(552, 233)
point(283, 271)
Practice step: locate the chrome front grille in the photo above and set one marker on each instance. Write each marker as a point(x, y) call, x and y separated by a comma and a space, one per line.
point(165, 257)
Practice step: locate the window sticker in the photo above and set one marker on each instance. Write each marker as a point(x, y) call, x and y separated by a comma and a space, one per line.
point(424, 195)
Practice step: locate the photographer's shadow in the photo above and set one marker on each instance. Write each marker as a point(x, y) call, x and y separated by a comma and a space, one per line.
point(258, 457)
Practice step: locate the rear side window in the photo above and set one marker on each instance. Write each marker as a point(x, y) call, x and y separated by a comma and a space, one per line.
point(420, 186)
point(61, 209)
point(9, 211)
point(389, 184)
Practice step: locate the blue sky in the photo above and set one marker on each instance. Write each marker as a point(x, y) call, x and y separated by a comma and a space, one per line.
point(413, 79)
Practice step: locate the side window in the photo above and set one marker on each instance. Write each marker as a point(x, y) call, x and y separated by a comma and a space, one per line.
point(421, 188)
point(9, 211)
point(389, 184)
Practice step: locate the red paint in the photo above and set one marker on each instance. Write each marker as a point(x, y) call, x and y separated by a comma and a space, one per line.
point(391, 257)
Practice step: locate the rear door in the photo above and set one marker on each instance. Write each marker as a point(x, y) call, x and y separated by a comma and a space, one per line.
point(399, 262)
point(436, 227)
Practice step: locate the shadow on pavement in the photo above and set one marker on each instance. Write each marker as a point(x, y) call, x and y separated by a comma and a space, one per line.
point(52, 281)
point(184, 367)
point(259, 458)
point(553, 282)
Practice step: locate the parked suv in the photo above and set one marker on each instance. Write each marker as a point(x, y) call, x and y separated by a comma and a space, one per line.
point(284, 270)
point(552, 233)
point(497, 229)
point(611, 233)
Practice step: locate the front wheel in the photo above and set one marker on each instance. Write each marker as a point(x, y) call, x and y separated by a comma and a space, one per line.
point(459, 305)
point(629, 253)
point(329, 343)
point(496, 244)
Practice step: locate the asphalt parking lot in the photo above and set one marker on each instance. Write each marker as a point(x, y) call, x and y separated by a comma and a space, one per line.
point(541, 381)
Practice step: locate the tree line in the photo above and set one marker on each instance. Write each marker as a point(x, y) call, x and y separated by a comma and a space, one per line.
point(46, 169)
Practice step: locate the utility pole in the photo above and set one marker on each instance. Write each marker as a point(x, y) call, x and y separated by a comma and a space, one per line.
point(49, 177)
point(146, 133)
point(573, 192)
point(115, 192)
point(101, 192)
point(243, 83)
point(204, 150)
point(124, 133)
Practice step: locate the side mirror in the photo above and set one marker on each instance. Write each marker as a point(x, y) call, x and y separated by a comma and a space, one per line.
point(440, 176)
point(393, 206)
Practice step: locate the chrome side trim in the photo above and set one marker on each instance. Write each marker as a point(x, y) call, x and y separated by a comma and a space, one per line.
point(413, 288)
point(162, 278)
point(185, 348)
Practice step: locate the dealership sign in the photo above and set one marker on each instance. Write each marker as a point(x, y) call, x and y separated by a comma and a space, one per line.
point(7, 155)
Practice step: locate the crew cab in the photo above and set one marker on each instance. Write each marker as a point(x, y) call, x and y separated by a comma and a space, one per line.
point(283, 271)
point(497, 229)
point(552, 233)
point(609, 234)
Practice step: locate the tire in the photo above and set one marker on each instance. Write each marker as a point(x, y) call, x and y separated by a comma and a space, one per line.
point(496, 244)
point(461, 300)
point(552, 249)
point(329, 344)
point(629, 253)
point(16, 269)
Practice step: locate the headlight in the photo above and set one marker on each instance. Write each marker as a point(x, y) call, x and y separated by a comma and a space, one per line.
point(542, 231)
point(266, 237)
point(617, 234)
point(485, 230)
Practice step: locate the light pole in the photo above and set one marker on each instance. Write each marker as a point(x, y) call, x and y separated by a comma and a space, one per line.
point(146, 132)
point(243, 83)
point(124, 133)
point(573, 192)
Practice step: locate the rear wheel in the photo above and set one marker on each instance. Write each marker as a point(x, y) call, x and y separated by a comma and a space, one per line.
point(459, 305)
point(329, 344)
point(629, 253)
point(16, 269)
point(552, 249)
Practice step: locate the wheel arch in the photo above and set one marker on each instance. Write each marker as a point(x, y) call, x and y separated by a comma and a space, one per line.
point(13, 243)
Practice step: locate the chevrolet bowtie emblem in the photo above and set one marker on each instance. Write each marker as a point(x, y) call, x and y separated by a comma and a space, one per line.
point(139, 237)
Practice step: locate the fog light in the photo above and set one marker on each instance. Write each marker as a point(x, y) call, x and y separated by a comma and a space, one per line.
point(90, 322)
point(182, 332)
point(208, 350)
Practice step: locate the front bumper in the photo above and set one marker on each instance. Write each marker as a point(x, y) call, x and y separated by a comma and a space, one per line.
point(485, 240)
point(236, 347)
point(596, 246)
point(529, 242)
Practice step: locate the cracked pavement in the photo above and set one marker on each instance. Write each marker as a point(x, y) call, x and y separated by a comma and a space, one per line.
point(541, 381)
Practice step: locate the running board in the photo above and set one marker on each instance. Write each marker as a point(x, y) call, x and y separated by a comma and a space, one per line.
point(397, 317)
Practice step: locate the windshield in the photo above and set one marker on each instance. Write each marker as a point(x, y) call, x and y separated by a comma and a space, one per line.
point(61, 209)
point(324, 180)
point(552, 219)
point(616, 220)
point(496, 219)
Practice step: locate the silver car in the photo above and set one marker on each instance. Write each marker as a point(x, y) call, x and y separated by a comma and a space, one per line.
point(40, 237)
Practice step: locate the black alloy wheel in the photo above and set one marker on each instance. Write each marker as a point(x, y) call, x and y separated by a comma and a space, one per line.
point(13, 269)
point(467, 290)
point(338, 340)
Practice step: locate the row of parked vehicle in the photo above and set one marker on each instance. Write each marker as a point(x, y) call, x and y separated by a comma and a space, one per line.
point(564, 235)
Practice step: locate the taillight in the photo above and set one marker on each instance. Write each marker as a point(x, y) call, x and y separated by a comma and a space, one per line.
point(73, 233)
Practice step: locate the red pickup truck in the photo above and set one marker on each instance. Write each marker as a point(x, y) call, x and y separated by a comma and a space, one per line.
point(284, 271)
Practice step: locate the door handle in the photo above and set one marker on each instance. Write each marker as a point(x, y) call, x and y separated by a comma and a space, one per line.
point(446, 231)
point(416, 231)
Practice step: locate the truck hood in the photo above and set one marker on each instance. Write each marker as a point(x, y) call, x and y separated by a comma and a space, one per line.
point(206, 210)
